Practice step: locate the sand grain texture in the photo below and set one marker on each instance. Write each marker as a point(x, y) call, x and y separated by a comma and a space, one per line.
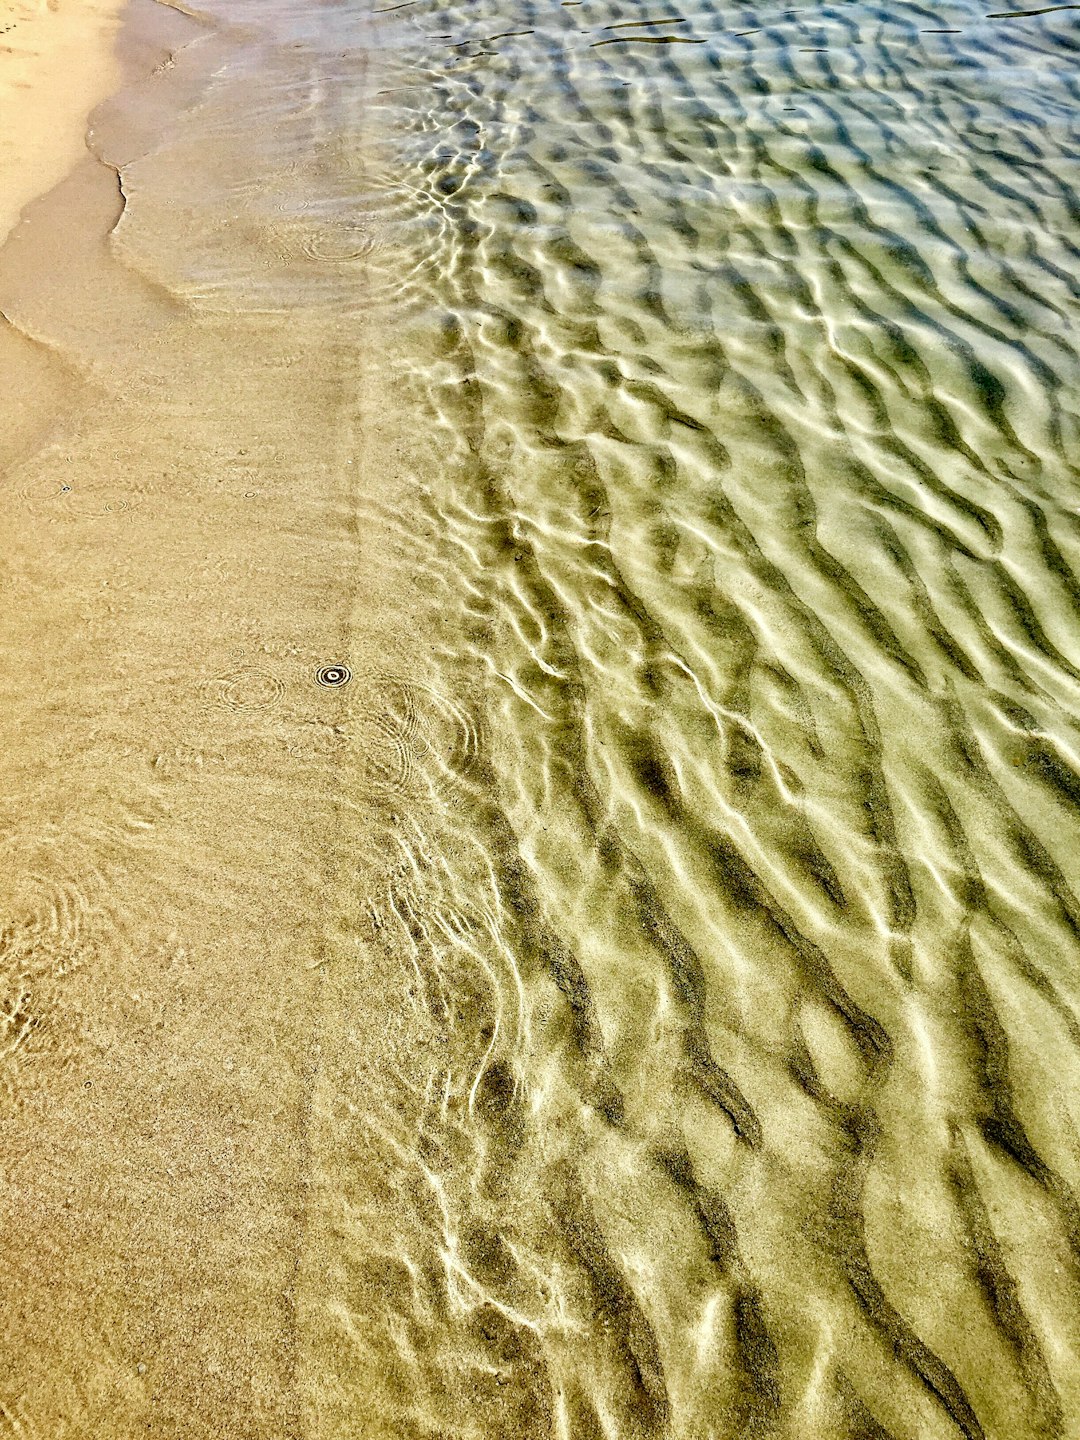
point(178, 563)
point(57, 60)
point(643, 1000)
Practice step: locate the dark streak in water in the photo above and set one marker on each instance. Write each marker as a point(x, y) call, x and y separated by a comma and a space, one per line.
point(1019, 14)
point(752, 385)
point(660, 20)
point(647, 40)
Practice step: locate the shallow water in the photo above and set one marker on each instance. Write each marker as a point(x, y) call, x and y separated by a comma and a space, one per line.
point(669, 416)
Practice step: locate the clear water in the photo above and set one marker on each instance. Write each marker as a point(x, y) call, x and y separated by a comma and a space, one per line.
point(673, 417)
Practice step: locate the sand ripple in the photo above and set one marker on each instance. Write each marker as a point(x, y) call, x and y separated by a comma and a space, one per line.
point(753, 934)
point(716, 826)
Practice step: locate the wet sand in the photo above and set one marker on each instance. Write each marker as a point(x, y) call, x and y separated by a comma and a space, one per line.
point(539, 713)
point(179, 886)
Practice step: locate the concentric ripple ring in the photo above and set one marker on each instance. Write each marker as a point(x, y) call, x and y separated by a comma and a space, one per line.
point(333, 675)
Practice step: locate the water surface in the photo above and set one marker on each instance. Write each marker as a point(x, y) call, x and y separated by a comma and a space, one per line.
point(695, 1001)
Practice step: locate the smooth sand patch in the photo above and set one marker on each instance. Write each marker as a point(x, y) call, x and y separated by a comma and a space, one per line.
point(193, 826)
point(57, 61)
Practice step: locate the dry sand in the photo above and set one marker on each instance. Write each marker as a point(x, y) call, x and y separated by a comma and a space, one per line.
point(57, 60)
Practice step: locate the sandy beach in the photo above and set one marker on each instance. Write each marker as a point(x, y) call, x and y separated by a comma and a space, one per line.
point(57, 61)
point(539, 742)
point(178, 897)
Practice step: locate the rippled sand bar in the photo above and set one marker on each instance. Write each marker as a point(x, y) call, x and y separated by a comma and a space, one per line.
point(540, 715)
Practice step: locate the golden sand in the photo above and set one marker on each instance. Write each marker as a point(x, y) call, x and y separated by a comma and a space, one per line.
point(641, 1001)
point(57, 60)
point(179, 891)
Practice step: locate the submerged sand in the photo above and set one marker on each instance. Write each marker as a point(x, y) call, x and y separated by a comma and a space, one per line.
point(178, 884)
point(642, 999)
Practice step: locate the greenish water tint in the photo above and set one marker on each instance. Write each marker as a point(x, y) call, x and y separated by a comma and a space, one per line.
point(757, 379)
point(728, 814)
